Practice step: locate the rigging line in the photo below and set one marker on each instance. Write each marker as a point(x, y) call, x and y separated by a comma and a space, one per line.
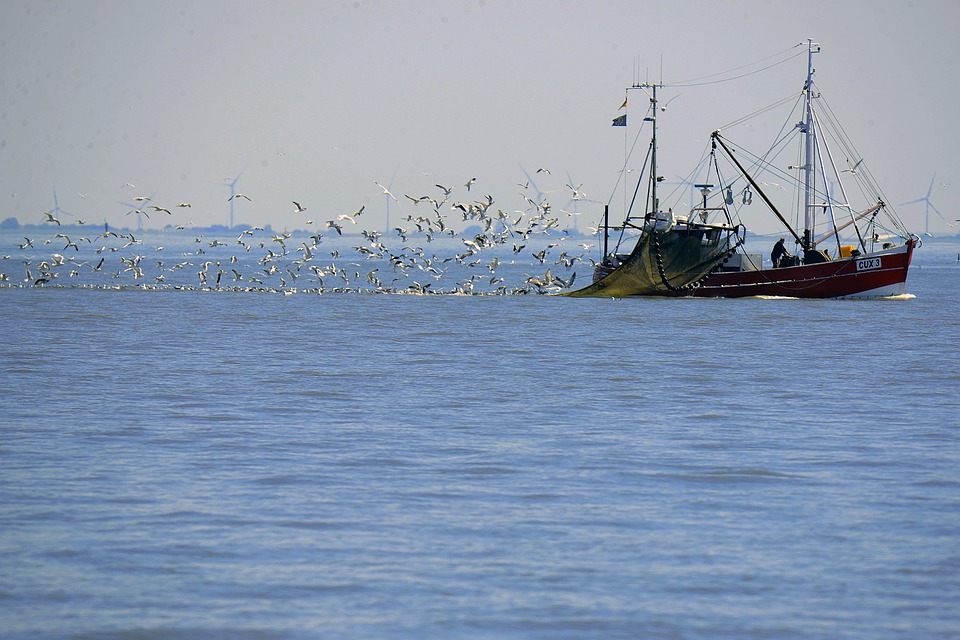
point(760, 111)
point(744, 66)
point(868, 185)
point(765, 164)
point(686, 181)
point(845, 199)
point(869, 188)
point(821, 146)
point(626, 220)
point(865, 180)
point(837, 130)
point(694, 83)
point(786, 133)
point(716, 136)
point(726, 208)
point(628, 155)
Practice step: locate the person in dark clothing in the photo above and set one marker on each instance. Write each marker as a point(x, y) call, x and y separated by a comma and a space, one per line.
point(779, 253)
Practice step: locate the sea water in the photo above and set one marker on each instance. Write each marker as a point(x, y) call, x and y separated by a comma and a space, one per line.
point(210, 464)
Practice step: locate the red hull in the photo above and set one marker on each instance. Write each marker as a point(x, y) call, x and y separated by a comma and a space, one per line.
point(874, 275)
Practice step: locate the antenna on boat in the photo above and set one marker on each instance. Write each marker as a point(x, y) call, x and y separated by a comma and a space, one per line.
point(705, 190)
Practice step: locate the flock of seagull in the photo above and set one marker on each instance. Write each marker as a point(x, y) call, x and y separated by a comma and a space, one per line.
point(421, 255)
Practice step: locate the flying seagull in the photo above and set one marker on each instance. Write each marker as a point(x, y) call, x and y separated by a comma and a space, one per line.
point(386, 191)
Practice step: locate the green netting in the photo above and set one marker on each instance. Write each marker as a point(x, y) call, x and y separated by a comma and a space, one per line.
point(684, 261)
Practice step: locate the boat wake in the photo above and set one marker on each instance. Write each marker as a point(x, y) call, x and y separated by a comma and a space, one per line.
point(902, 296)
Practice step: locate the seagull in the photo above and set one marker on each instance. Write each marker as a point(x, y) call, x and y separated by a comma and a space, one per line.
point(543, 170)
point(50, 218)
point(853, 169)
point(298, 206)
point(238, 195)
point(664, 106)
point(184, 204)
point(156, 208)
point(577, 194)
point(470, 182)
point(386, 191)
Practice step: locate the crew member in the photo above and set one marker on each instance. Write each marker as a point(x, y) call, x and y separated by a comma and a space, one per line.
point(779, 253)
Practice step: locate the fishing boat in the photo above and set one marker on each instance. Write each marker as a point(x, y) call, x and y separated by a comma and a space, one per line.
point(669, 253)
point(841, 249)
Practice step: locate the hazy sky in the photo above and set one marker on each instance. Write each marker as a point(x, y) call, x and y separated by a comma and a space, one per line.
point(315, 101)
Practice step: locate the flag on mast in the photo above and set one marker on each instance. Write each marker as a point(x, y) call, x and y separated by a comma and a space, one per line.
point(621, 121)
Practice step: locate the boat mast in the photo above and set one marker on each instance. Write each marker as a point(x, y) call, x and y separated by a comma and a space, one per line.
point(809, 175)
point(606, 230)
point(653, 156)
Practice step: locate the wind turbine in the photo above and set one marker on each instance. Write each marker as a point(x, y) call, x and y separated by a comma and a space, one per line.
point(387, 196)
point(232, 185)
point(531, 183)
point(575, 201)
point(929, 205)
point(692, 185)
point(136, 206)
point(56, 211)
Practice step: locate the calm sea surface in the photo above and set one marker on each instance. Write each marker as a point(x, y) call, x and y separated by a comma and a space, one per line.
point(225, 464)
